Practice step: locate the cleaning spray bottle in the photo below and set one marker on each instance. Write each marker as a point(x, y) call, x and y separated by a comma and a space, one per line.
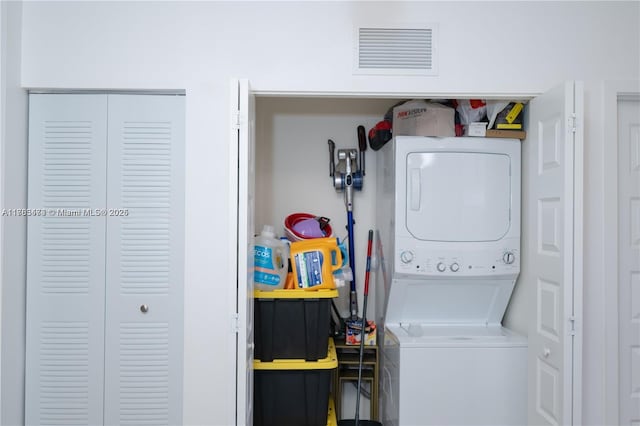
point(270, 260)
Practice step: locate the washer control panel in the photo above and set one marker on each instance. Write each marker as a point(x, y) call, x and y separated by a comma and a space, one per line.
point(442, 262)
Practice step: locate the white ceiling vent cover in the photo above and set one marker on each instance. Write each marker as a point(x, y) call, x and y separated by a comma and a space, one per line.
point(396, 51)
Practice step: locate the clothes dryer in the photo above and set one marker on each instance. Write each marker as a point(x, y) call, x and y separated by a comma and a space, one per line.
point(449, 247)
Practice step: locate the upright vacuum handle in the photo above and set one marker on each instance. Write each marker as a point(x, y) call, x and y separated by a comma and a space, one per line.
point(332, 164)
point(362, 146)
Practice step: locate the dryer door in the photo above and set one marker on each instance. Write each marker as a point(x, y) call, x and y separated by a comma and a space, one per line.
point(458, 196)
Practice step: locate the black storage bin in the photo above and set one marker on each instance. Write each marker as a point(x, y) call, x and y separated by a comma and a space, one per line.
point(293, 392)
point(292, 324)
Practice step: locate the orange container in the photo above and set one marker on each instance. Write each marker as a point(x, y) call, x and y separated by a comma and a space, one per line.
point(313, 262)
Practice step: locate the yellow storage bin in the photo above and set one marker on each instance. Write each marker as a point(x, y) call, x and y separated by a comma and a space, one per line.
point(332, 418)
point(321, 293)
point(291, 324)
point(293, 392)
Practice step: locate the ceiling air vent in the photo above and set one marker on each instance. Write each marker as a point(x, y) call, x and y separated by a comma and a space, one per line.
point(396, 51)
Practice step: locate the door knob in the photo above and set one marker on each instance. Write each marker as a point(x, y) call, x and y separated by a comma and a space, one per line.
point(546, 352)
point(144, 308)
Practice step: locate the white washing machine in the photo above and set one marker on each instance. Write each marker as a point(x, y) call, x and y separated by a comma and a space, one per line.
point(440, 375)
point(449, 247)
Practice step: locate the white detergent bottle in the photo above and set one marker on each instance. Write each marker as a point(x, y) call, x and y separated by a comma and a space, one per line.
point(270, 260)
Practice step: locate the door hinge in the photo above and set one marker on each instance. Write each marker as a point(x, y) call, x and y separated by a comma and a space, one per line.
point(235, 323)
point(572, 323)
point(235, 119)
point(572, 124)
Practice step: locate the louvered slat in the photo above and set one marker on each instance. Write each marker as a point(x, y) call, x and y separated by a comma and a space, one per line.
point(146, 195)
point(64, 374)
point(144, 374)
point(66, 187)
point(396, 49)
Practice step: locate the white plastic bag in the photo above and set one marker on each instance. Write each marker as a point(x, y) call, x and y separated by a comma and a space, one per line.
point(493, 108)
point(471, 110)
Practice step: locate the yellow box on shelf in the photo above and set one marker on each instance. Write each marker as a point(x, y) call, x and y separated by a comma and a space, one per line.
point(513, 114)
point(513, 126)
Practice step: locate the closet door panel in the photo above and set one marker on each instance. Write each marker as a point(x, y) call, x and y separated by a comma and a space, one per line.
point(65, 259)
point(145, 246)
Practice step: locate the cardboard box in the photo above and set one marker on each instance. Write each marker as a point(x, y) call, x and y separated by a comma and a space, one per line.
point(513, 134)
point(422, 118)
point(352, 332)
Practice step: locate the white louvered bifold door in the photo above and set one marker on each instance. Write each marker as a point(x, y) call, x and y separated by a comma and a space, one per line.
point(144, 293)
point(105, 260)
point(66, 253)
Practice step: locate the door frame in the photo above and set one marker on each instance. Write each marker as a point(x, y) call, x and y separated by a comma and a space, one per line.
point(234, 208)
point(612, 92)
point(3, 101)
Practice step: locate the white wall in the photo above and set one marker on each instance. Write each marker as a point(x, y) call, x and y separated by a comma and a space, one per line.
point(502, 47)
point(292, 168)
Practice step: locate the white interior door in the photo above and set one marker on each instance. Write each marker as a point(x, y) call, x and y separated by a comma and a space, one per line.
point(243, 196)
point(629, 260)
point(145, 260)
point(105, 239)
point(65, 260)
point(553, 150)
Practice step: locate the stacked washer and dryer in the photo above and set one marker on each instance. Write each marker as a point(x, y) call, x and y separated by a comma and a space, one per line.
point(448, 245)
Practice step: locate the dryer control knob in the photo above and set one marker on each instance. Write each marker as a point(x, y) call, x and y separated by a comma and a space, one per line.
point(406, 256)
point(441, 267)
point(509, 257)
point(454, 267)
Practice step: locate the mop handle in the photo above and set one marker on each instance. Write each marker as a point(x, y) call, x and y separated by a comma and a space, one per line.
point(363, 326)
point(366, 275)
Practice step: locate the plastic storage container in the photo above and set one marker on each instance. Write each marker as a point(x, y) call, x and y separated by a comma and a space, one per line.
point(293, 392)
point(332, 419)
point(314, 261)
point(270, 260)
point(294, 231)
point(292, 324)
